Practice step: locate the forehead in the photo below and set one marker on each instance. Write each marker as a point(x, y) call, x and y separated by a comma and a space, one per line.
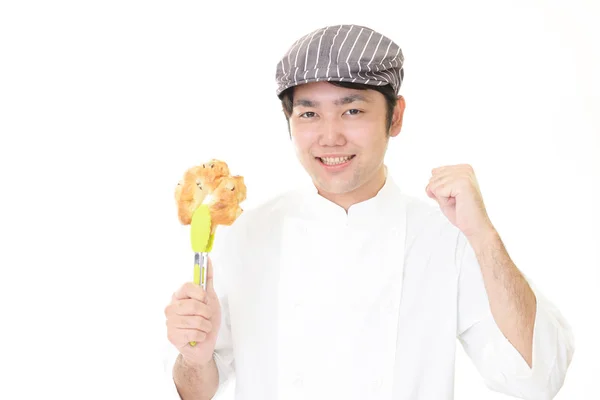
point(324, 92)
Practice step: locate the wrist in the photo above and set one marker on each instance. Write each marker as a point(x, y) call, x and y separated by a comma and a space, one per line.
point(484, 239)
point(193, 364)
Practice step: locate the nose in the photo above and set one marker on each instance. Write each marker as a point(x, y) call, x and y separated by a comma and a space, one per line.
point(332, 133)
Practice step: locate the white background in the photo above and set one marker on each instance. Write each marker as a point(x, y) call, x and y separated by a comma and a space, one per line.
point(103, 105)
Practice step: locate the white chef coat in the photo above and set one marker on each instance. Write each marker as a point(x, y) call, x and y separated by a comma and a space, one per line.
point(322, 304)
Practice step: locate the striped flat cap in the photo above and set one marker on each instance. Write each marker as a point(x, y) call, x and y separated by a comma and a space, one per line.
point(348, 53)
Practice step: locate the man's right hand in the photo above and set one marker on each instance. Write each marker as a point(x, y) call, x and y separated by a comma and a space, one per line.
point(194, 315)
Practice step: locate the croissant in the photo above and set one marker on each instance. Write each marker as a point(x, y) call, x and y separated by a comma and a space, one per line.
point(210, 184)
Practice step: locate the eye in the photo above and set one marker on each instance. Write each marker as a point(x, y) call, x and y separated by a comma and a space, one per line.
point(353, 111)
point(308, 114)
point(212, 165)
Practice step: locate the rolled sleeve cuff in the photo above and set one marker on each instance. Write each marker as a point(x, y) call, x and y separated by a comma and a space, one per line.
point(551, 355)
point(225, 370)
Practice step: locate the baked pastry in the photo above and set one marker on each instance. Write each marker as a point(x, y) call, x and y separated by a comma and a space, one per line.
point(210, 183)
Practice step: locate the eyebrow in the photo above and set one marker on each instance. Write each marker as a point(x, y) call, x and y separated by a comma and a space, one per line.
point(341, 101)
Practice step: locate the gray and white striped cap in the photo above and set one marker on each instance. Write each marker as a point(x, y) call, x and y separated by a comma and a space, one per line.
point(348, 53)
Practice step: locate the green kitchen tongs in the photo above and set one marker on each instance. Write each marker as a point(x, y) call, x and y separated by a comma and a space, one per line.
point(202, 241)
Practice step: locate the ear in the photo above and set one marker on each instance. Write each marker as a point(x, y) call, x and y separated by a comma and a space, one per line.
point(397, 117)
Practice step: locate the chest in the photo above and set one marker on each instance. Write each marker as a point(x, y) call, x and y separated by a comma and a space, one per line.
point(325, 310)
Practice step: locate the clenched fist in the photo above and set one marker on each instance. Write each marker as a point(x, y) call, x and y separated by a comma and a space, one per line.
point(194, 315)
point(457, 192)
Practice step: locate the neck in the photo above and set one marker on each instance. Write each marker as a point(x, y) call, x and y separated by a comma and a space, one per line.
point(360, 194)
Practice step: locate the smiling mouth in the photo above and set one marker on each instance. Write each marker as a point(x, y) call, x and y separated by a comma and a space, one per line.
point(335, 160)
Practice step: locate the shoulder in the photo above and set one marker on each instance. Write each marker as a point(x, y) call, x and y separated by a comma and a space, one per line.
point(425, 215)
point(427, 224)
point(272, 208)
point(261, 216)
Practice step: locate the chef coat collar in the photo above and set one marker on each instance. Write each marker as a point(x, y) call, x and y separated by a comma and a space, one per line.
point(373, 210)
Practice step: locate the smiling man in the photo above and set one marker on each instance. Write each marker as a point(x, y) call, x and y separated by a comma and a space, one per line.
point(341, 136)
point(350, 288)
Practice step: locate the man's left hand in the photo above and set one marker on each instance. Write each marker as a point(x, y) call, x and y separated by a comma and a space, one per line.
point(456, 190)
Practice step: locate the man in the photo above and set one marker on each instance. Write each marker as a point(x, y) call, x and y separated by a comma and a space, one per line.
point(351, 289)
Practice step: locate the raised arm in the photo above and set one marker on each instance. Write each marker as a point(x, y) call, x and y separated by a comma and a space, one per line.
point(512, 302)
point(198, 372)
point(519, 341)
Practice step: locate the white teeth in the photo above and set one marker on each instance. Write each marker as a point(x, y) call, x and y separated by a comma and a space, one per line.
point(335, 160)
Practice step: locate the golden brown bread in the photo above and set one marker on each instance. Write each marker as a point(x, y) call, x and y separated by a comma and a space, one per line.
point(211, 183)
point(224, 203)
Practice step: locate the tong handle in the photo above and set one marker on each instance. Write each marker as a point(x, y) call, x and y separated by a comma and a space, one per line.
point(200, 269)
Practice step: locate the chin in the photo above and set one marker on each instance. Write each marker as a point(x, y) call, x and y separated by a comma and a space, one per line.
point(335, 186)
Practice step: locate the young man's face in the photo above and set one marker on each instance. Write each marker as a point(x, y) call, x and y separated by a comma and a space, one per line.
point(340, 135)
